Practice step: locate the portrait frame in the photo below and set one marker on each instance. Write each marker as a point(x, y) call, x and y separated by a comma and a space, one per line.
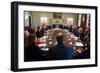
point(16, 7)
point(57, 16)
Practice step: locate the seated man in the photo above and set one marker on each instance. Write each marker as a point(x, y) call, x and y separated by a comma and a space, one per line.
point(38, 32)
point(43, 30)
point(60, 51)
point(32, 52)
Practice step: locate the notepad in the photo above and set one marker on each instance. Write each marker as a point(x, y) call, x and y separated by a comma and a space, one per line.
point(45, 49)
point(79, 44)
point(40, 45)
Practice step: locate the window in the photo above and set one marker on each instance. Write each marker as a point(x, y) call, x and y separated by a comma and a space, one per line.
point(70, 21)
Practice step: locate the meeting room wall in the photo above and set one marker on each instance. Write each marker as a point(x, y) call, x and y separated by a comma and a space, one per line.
point(36, 18)
point(36, 21)
point(65, 16)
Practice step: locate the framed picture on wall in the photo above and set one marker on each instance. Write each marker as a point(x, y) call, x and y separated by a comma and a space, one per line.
point(57, 15)
point(38, 43)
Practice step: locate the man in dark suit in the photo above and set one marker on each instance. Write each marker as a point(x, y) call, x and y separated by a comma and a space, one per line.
point(38, 32)
point(32, 52)
point(60, 51)
point(43, 30)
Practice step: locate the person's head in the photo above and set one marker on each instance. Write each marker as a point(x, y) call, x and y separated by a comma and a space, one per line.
point(71, 26)
point(31, 39)
point(57, 26)
point(59, 38)
point(80, 29)
point(44, 26)
point(25, 28)
point(32, 31)
point(38, 28)
point(26, 34)
point(86, 31)
point(75, 26)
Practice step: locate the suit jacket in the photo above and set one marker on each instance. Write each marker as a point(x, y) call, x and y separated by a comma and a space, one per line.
point(38, 34)
point(61, 52)
point(32, 53)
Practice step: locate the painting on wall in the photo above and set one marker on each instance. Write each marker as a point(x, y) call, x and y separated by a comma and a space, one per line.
point(57, 15)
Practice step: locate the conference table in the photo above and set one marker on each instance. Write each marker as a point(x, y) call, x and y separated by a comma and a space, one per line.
point(70, 40)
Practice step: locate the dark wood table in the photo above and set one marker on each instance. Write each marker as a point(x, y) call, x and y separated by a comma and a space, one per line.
point(70, 40)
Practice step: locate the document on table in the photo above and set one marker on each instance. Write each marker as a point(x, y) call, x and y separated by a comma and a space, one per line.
point(79, 44)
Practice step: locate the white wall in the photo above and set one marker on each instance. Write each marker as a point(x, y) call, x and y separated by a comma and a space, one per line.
point(37, 15)
point(70, 15)
point(5, 17)
point(36, 18)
